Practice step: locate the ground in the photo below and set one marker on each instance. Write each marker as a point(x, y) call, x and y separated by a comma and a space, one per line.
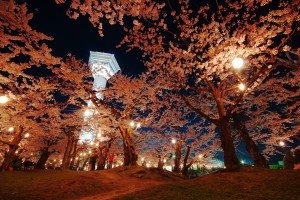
point(141, 183)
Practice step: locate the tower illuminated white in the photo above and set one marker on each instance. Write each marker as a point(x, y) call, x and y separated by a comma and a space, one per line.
point(103, 66)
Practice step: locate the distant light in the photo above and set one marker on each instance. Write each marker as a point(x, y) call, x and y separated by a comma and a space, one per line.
point(200, 156)
point(165, 160)
point(31, 154)
point(92, 143)
point(11, 129)
point(242, 86)
point(87, 112)
point(90, 152)
point(281, 143)
point(173, 141)
point(142, 159)
point(3, 99)
point(99, 135)
point(132, 124)
point(243, 162)
point(27, 135)
point(237, 63)
point(138, 125)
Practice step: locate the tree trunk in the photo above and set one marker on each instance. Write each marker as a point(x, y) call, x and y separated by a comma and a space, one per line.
point(102, 154)
point(43, 159)
point(74, 152)
point(9, 157)
point(186, 166)
point(258, 159)
point(13, 146)
point(84, 163)
point(130, 156)
point(67, 155)
point(231, 161)
point(177, 159)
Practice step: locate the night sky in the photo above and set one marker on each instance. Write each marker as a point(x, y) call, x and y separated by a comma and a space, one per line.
point(78, 37)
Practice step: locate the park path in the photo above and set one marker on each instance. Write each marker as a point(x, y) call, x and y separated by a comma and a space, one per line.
point(116, 184)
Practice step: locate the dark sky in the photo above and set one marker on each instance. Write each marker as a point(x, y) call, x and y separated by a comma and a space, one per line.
point(79, 37)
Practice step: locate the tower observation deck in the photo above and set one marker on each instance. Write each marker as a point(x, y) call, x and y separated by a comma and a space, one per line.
point(103, 66)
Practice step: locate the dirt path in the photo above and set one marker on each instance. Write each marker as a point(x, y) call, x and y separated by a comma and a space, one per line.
point(118, 185)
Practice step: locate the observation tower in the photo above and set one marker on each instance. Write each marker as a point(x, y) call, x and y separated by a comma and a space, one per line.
point(103, 66)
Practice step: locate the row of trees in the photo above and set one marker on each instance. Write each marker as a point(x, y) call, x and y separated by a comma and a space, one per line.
point(189, 93)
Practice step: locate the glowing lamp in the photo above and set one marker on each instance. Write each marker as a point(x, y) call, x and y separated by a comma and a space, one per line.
point(87, 113)
point(3, 99)
point(173, 141)
point(11, 129)
point(132, 124)
point(281, 143)
point(237, 63)
point(26, 135)
point(242, 86)
point(138, 125)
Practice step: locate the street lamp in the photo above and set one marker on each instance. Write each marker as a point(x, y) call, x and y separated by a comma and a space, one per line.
point(87, 113)
point(237, 63)
point(173, 141)
point(242, 86)
point(132, 124)
point(3, 99)
point(281, 143)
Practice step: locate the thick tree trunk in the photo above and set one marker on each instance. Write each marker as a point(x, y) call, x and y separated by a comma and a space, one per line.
point(186, 166)
point(85, 163)
point(130, 156)
point(102, 154)
point(102, 157)
point(177, 159)
point(67, 155)
point(13, 146)
point(231, 161)
point(43, 159)
point(258, 159)
point(9, 157)
point(73, 153)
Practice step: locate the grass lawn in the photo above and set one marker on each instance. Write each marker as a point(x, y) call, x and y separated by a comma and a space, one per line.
point(140, 183)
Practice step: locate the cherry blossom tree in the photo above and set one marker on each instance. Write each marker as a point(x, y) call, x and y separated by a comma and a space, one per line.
point(194, 45)
point(272, 110)
point(126, 100)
